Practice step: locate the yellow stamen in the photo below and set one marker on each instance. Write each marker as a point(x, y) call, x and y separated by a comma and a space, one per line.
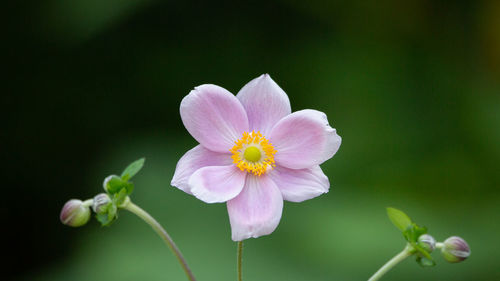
point(253, 153)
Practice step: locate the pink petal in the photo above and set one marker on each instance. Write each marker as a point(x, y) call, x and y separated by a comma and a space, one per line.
point(304, 139)
point(300, 185)
point(214, 117)
point(196, 158)
point(256, 211)
point(265, 103)
point(215, 184)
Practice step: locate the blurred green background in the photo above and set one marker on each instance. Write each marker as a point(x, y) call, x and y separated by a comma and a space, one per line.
point(413, 87)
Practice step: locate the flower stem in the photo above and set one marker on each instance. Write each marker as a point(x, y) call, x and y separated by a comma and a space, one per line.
point(88, 202)
point(239, 257)
point(163, 234)
point(408, 251)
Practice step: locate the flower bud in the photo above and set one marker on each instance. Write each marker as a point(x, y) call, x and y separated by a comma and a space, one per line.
point(427, 242)
point(105, 184)
point(455, 249)
point(101, 202)
point(75, 213)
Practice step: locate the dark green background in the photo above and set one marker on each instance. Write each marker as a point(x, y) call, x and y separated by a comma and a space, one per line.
point(413, 88)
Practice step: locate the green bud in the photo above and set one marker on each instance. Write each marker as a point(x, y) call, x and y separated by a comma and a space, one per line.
point(114, 184)
point(108, 181)
point(101, 203)
point(75, 213)
point(455, 249)
point(427, 242)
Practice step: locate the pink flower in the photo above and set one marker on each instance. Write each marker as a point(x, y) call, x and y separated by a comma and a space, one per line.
point(253, 153)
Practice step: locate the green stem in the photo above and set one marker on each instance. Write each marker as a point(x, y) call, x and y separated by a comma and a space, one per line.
point(88, 202)
point(408, 251)
point(239, 258)
point(163, 234)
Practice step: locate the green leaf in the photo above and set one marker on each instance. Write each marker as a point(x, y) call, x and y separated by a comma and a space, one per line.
point(132, 169)
point(103, 219)
point(418, 231)
point(399, 219)
point(424, 262)
point(107, 215)
point(120, 197)
point(422, 252)
point(408, 234)
point(115, 184)
point(412, 232)
point(112, 212)
point(129, 187)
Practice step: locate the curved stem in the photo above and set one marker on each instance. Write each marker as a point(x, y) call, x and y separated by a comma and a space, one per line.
point(163, 234)
point(88, 202)
point(408, 251)
point(239, 258)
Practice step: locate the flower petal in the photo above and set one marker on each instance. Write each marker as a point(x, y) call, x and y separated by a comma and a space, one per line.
point(256, 211)
point(265, 103)
point(300, 185)
point(304, 139)
point(214, 117)
point(215, 184)
point(196, 158)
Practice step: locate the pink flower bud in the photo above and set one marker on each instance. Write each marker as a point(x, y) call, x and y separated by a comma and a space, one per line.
point(427, 242)
point(101, 202)
point(75, 213)
point(455, 249)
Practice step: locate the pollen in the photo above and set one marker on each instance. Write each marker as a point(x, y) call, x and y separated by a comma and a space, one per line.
point(253, 153)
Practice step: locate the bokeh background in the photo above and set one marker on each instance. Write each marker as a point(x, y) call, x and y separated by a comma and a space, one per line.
point(413, 87)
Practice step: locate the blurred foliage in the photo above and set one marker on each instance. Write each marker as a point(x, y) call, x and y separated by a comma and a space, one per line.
point(412, 87)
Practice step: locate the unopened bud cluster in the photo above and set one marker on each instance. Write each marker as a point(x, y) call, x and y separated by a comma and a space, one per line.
point(105, 205)
point(454, 249)
point(76, 213)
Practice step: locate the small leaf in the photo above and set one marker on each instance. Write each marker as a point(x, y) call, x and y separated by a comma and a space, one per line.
point(119, 197)
point(424, 262)
point(419, 231)
point(102, 218)
point(108, 215)
point(412, 232)
point(422, 252)
point(115, 184)
point(399, 219)
point(112, 212)
point(132, 169)
point(129, 187)
point(408, 234)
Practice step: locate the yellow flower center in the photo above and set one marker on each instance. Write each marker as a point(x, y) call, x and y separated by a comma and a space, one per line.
point(253, 153)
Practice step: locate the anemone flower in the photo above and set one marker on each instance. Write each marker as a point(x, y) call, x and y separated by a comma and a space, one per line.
point(253, 153)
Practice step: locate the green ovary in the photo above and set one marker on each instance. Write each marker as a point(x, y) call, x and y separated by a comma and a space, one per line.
point(252, 154)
